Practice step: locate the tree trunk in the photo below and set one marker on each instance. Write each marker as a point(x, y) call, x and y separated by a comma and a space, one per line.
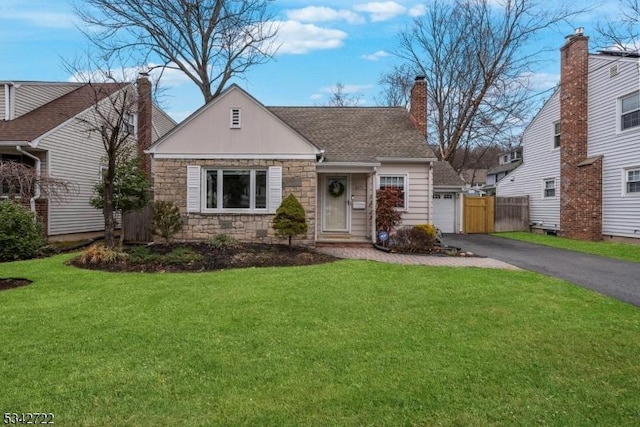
point(121, 230)
point(107, 209)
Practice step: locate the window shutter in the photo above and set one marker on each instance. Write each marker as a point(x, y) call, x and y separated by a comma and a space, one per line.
point(275, 188)
point(193, 188)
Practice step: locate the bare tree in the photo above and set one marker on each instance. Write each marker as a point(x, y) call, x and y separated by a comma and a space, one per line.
point(623, 31)
point(476, 56)
point(210, 41)
point(396, 87)
point(339, 97)
point(111, 118)
point(22, 181)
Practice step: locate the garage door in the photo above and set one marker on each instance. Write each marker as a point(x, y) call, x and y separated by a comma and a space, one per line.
point(444, 212)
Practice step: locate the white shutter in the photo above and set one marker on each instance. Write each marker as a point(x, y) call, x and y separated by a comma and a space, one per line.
point(193, 188)
point(275, 188)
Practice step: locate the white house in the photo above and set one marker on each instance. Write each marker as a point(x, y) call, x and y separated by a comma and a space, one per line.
point(581, 166)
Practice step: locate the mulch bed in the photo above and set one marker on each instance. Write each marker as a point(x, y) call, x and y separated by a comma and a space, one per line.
point(10, 283)
point(240, 256)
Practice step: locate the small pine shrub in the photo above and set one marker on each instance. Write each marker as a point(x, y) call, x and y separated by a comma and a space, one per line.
point(166, 219)
point(139, 255)
point(21, 234)
point(100, 254)
point(221, 241)
point(290, 219)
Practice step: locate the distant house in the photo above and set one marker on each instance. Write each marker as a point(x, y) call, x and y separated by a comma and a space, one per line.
point(43, 124)
point(581, 166)
point(508, 162)
point(230, 163)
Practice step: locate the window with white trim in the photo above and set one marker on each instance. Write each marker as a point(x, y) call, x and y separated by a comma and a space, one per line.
point(557, 129)
point(130, 121)
point(630, 111)
point(549, 188)
point(235, 118)
point(632, 180)
point(395, 181)
point(235, 189)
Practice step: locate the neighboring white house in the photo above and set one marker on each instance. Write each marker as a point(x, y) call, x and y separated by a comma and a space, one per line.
point(229, 165)
point(45, 124)
point(581, 166)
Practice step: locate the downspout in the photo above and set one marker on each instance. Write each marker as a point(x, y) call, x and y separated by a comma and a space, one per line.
point(7, 101)
point(36, 196)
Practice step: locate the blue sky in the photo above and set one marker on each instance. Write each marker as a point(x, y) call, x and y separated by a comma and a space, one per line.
point(323, 42)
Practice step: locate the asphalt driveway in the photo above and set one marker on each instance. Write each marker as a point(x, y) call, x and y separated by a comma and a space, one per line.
point(617, 279)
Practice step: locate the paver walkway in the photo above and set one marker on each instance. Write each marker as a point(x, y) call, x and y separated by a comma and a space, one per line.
point(432, 260)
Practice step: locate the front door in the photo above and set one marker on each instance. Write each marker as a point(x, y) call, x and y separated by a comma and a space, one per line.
point(336, 203)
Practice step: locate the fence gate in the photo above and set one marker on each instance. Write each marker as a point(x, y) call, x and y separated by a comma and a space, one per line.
point(137, 225)
point(478, 214)
point(512, 214)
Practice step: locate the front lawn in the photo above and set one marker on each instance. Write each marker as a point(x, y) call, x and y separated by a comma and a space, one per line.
point(346, 343)
point(623, 251)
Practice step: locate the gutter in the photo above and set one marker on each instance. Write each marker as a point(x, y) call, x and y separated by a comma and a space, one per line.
point(36, 196)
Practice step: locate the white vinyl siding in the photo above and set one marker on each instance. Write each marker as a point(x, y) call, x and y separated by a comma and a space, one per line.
point(74, 155)
point(620, 150)
point(162, 123)
point(418, 193)
point(28, 97)
point(540, 161)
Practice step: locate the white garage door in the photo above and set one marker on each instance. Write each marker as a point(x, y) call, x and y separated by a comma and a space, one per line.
point(444, 212)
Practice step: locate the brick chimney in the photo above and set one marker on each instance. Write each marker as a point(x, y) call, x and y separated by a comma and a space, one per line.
point(418, 104)
point(144, 120)
point(580, 176)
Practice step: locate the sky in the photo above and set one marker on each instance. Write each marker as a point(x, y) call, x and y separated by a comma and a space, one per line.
point(322, 43)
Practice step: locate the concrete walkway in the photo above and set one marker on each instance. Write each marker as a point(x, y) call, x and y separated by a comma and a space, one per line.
point(373, 254)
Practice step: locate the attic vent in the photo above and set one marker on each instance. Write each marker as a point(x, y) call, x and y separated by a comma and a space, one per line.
point(613, 70)
point(235, 118)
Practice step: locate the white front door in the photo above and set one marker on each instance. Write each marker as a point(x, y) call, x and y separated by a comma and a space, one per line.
point(336, 203)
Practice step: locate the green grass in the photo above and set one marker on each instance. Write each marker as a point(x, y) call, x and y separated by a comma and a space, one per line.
point(350, 343)
point(623, 251)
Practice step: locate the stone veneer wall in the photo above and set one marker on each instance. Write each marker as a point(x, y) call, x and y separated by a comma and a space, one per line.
point(298, 177)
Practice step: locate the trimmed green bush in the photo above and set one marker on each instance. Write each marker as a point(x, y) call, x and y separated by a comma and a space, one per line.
point(221, 241)
point(413, 240)
point(21, 234)
point(290, 219)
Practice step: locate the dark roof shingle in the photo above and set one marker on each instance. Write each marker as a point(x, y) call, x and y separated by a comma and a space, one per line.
point(357, 134)
point(46, 117)
point(445, 175)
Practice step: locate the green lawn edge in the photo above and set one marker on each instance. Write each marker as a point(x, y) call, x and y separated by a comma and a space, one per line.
point(348, 343)
point(616, 250)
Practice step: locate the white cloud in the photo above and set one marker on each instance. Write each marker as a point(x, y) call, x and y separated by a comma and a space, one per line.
point(316, 97)
point(376, 56)
point(168, 78)
point(381, 11)
point(418, 10)
point(297, 38)
point(324, 14)
point(542, 81)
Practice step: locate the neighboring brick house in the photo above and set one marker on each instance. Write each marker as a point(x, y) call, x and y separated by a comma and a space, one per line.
point(581, 166)
point(45, 124)
point(229, 165)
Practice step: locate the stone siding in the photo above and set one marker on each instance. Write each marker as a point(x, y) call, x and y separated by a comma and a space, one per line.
point(298, 177)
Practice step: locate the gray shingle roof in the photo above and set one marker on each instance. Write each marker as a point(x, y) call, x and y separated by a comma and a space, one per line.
point(357, 134)
point(445, 175)
point(507, 167)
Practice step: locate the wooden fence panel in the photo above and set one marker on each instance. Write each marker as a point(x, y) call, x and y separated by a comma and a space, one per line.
point(478, 214)
point(137, 225)
point(512, 214)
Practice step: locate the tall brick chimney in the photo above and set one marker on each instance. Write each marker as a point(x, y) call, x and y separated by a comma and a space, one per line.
point(418, 104)
point(144, 120)
point(580, 176)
